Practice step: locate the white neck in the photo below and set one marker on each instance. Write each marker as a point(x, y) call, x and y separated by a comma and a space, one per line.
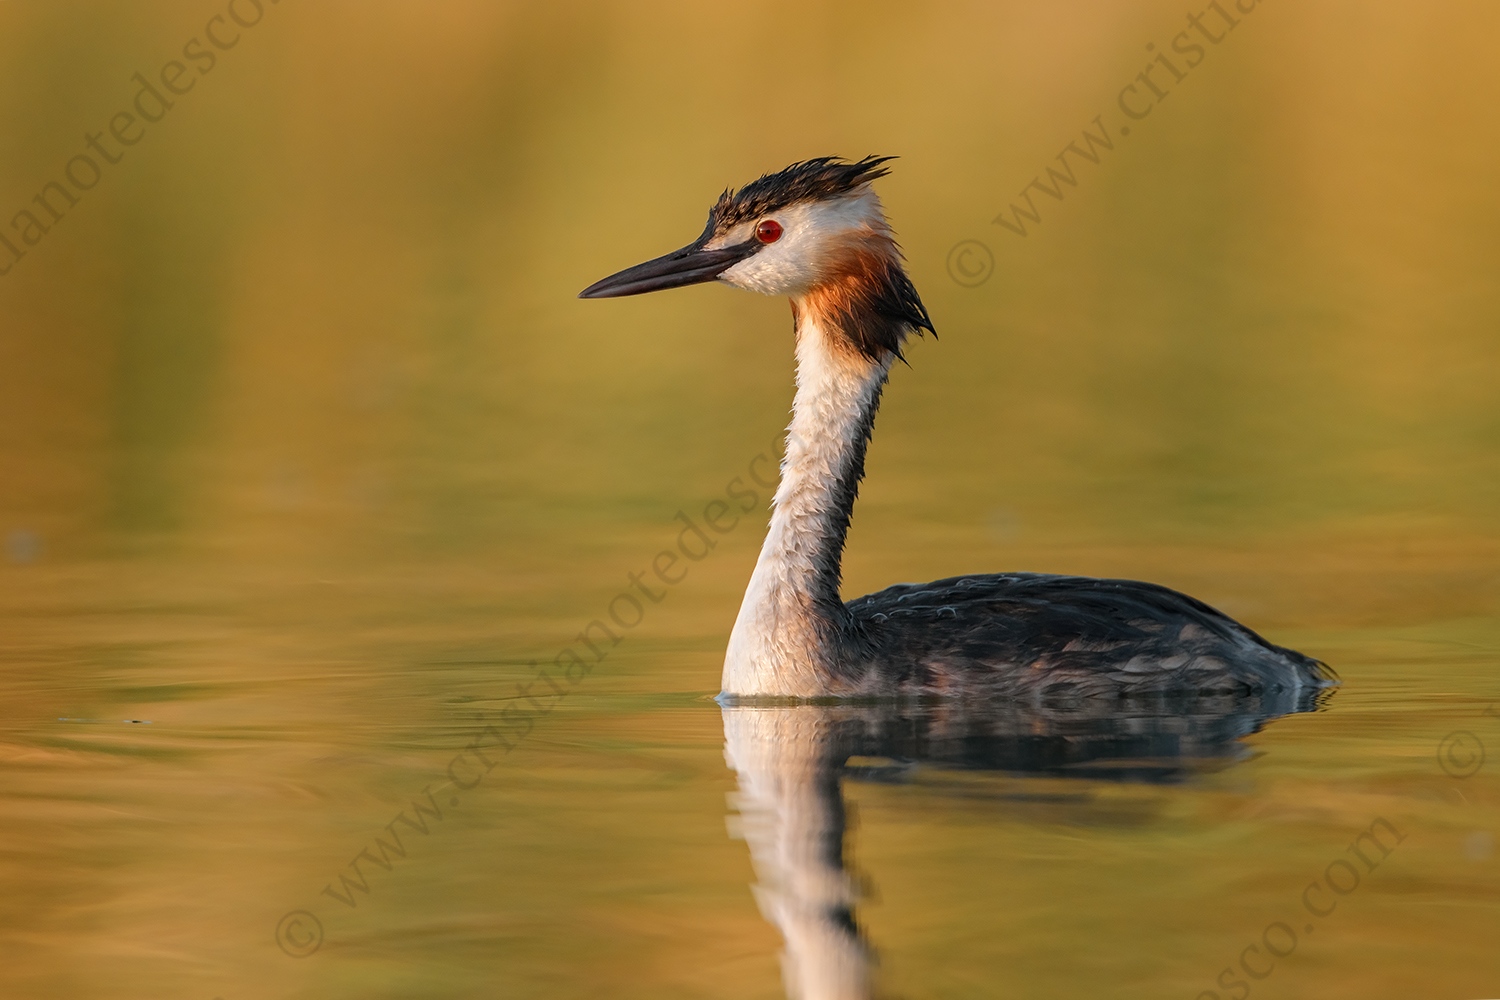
point(783, 639)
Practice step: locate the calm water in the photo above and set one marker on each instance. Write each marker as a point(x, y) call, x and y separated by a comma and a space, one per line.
point(309, 458)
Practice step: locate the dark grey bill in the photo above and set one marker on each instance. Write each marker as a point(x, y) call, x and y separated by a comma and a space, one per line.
point(691, 265)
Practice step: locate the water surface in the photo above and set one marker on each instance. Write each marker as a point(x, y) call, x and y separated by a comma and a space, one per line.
point(309, 459)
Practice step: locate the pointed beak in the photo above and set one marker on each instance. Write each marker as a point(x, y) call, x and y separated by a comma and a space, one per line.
point(691, 265)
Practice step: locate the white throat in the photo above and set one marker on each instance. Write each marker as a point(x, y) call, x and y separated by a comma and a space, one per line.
point(783, 640)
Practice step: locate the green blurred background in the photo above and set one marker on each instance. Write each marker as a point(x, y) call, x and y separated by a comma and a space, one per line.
point(306, 444)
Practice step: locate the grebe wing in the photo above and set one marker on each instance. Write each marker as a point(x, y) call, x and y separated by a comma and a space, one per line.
point(1019, 631)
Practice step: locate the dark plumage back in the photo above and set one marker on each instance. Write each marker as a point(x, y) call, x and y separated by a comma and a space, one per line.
point(1037, 636)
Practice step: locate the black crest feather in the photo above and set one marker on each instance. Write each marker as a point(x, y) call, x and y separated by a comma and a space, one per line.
point(811, 180)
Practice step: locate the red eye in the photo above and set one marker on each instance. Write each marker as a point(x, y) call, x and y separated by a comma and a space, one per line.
point(769, 231)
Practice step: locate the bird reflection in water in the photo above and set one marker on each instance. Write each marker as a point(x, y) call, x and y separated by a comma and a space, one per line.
point(1097, 661)
point(792, 760)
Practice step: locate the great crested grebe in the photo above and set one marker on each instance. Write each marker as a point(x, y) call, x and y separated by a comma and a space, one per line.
point(816, 232)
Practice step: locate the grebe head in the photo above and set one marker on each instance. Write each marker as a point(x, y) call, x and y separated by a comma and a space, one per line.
point(784, 234)
point(814, 231)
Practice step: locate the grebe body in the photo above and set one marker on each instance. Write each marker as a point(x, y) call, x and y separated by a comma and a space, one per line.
point(816, 232)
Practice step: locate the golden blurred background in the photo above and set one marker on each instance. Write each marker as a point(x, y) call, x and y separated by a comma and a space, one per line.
point(307, 448)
